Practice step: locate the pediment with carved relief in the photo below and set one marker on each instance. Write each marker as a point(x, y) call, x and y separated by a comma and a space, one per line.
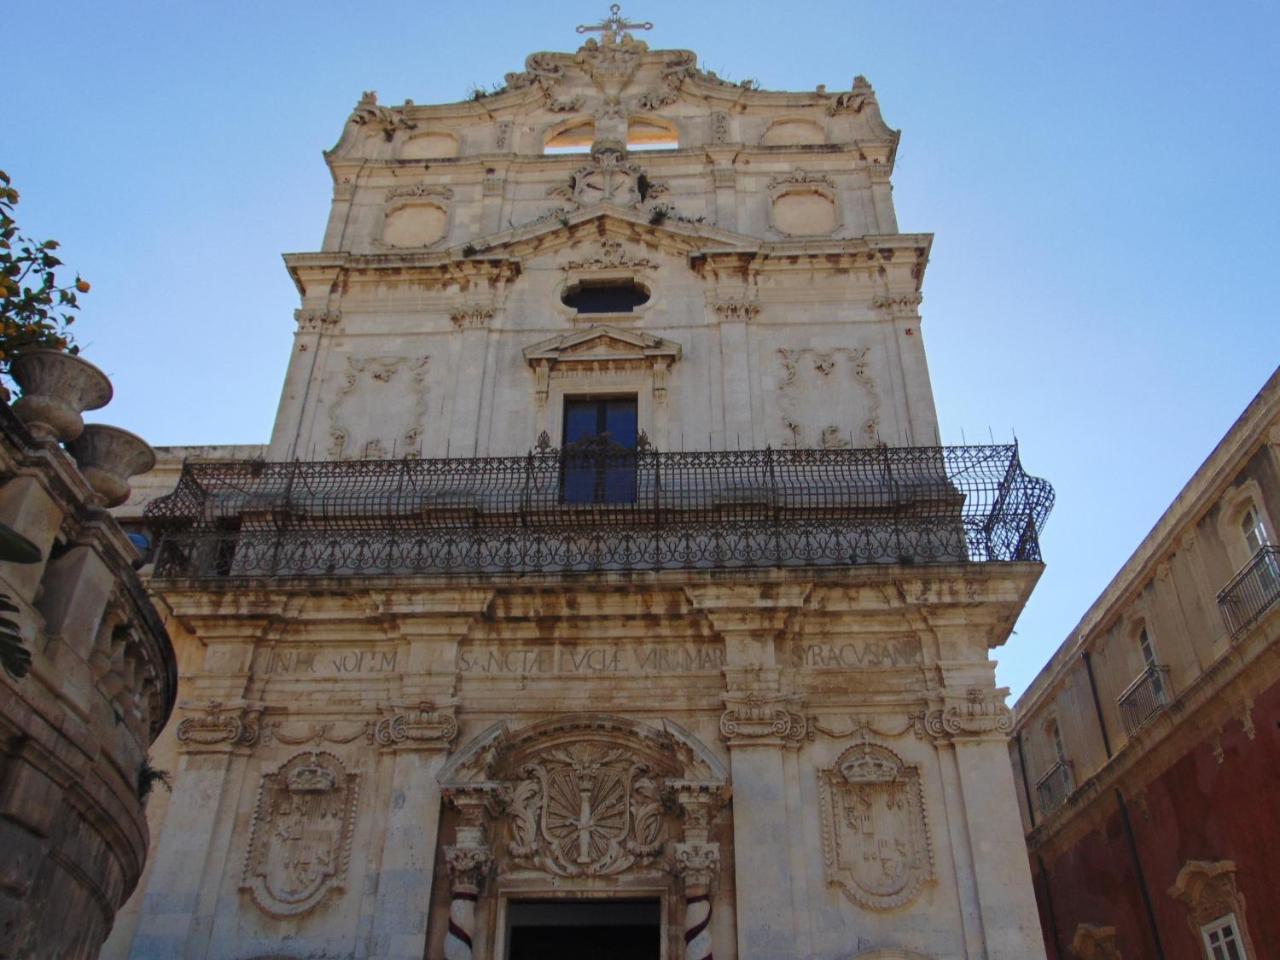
point(602, 343)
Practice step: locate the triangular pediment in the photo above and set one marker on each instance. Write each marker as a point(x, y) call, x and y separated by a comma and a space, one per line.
point(601, 342)
point(604, 222)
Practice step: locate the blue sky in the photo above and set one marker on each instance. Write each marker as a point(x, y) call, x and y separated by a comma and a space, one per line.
point(1100, 177)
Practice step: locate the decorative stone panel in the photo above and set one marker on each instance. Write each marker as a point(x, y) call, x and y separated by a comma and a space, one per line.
point(875, 838)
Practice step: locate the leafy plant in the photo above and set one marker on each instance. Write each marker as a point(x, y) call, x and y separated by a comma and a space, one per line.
point(35, 309)
point(643, 186)
point(470, 250)
point(657, 215)
point(149, 776)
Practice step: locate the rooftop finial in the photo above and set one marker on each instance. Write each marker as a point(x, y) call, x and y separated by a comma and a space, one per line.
point(613, 28)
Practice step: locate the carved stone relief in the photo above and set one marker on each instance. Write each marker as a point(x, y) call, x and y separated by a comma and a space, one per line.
point(609, 177)
point(805, 383)
point(875, 838)
point(589, 796)
point(219, 723)
point(982, 713)
point(385, 120)
point(300, 840)
point(380, 408)
point(317, 321)
point(1208, 890)
point(612, 256)
point(420, 190)
point(1095, 943)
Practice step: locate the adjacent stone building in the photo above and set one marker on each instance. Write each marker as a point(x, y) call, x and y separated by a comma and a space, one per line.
point(76, 721)
point(603, 589)
point(1148, 749)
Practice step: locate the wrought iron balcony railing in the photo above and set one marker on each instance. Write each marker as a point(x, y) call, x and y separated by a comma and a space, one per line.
point(1144, 698)
point(1252, 591)
point(645, 511)
point(1055, 786)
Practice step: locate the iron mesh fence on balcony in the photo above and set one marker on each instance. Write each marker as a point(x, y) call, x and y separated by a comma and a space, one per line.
point(751, 508)
point(1252, 591)
point(1055, 786)
point(1144, 698)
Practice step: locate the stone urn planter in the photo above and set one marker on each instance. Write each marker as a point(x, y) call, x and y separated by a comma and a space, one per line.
point(108, 457)
point(56, 389)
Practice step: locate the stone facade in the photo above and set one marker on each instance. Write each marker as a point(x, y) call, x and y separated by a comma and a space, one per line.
point(390, 745)
point(1146, 751)
point(75, 730)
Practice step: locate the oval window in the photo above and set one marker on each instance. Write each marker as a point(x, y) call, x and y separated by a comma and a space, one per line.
point(605, 296)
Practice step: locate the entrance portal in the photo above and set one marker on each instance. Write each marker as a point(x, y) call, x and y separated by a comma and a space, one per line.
point(584, 930)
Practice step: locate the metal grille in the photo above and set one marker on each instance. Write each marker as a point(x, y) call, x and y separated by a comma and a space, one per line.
point(1144, 698)
point(1055, 786)
point(1252, 591)
point(754, 508)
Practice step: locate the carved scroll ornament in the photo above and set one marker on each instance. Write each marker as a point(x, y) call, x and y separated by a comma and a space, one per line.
point(218, 723)
point(300, 841)
point(982, 713)
point(875, 839)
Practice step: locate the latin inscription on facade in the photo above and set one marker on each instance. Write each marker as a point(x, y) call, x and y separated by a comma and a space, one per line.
point(598, 659)
point(857, 654)
point(333, 662)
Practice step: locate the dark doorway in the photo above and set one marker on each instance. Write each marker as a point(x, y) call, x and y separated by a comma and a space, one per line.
point(584, 930)
point(599, 450)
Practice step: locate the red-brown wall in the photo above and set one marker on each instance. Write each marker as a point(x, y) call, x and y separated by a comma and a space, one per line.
point(1198, 809)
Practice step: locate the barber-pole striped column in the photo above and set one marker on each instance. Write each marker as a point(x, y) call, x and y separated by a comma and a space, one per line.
point(697, 863)
point(467, 865)
point(462, 925)
point(697, 923)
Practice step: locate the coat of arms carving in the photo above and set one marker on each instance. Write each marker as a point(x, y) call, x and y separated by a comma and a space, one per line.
point(301, 837)
point(585, 809)
point(875, 841)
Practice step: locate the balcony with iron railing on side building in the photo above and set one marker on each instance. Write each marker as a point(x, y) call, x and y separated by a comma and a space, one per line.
point(1144, 698)
point(1251, 592)
point(1055, 785)
point(599, 507)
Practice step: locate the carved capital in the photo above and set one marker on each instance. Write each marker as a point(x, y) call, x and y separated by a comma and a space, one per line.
point(468, 866)
point(419, 727)
point(740, 311)
point(317, 321)
point(982, 713)
point(219, 724)
point(697, 864)
point(698, 802)
point(900, 305)
point(760, 717)
point(475, 316)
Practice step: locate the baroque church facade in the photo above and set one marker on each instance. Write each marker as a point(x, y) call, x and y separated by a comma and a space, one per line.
point(603, 589)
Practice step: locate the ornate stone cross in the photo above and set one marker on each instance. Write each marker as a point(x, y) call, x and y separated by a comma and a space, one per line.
point(613, 27)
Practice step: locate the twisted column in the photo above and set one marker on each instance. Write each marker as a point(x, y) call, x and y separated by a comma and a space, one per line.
point(697, 864)
point(467, 867)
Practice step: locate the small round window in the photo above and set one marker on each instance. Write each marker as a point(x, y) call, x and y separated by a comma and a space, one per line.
point(605, 296)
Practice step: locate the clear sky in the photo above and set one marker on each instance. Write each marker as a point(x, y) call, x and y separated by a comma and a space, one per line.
point(1100, 176)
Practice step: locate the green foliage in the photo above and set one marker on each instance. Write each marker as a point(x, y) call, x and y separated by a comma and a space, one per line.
point(149, 776)
point(35, 310)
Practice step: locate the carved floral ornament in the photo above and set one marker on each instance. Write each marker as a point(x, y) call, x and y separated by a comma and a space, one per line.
point(300, 838)
point(386, 120)
point(591, 796)
point(875, 837)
